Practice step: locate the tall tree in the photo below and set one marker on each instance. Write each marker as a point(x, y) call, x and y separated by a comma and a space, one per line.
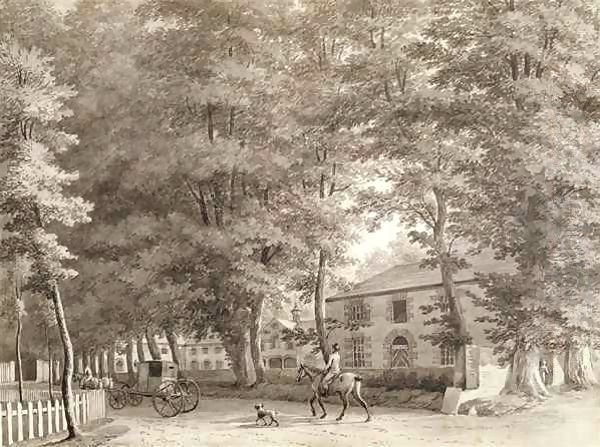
point(33, 192)
point(521, 66)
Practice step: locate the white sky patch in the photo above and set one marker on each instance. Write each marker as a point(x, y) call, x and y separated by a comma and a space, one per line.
point(375, 240)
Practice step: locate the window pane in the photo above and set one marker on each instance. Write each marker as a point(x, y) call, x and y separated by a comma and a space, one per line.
point(400, 315)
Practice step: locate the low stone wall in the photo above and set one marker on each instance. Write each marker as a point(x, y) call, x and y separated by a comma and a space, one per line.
point(431, 379)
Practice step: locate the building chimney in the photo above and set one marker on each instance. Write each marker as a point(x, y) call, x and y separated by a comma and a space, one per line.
point(296, 314)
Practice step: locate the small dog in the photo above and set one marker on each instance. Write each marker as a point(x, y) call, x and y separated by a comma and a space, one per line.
point(263, 414)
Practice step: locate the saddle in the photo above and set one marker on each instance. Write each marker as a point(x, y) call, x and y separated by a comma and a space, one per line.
point(325, 385)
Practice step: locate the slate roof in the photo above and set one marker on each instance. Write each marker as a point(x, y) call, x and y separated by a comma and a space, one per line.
point(410, 276)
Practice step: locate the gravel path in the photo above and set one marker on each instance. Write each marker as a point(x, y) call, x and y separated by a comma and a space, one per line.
point(568, 420)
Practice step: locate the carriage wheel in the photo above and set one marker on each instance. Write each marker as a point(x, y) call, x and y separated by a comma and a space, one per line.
point(168, 399)
point(133, 399)
point(191, 394)
point(117, 399)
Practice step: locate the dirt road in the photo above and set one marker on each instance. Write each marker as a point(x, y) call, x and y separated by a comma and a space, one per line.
point(572, 420)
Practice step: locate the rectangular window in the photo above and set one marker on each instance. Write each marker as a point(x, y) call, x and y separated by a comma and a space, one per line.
point(447, 355)
point(275, 342)
point(193, 351)
point(399, 309)
point(204, 350)
point(290, 346)
point(358, 352)
point(358, 312)
point(262, 345)
point(444, 305)
point(164, 351)
point(218, 350)
point(219, 364)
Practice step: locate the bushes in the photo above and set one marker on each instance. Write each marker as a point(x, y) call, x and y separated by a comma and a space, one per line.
point(399, 380)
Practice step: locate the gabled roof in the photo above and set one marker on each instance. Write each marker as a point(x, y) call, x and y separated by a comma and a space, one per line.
point(408, 277)
point(286, 323)
point(289, 324)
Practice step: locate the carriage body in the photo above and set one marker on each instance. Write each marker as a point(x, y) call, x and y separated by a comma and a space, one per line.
point(151, 374)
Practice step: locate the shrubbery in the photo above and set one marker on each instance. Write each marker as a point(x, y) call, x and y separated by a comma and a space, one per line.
point(430, 383)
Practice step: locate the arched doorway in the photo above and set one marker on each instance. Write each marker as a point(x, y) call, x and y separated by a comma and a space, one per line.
point(289, 363)
point(400, 353)
point(275, 363)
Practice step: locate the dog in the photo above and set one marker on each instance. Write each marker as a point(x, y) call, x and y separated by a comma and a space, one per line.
point(262, 415)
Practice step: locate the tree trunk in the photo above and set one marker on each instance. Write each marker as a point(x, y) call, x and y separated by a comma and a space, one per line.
point(320, 306)
point(67, 392)
point(101, 364)
point(152, 346)
point(57, 378)
point(95, 371)
point(111, 361)
point(578, 366)
point(141, 355)
point(18, 353)
point(524, 373)
point(457, 324)
point(237, 352)
point(172, 339)
point(255, 338)
point(130, 368)
point(86, 360)
point(49, 363)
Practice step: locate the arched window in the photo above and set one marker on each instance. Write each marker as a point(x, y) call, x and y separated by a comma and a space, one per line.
point(400, 353)
point(275, 363)
point(207, 364)
point(289, 362)
point(120, 365)
point(195, 366)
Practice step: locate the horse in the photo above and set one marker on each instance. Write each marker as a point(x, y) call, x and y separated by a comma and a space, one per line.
point(343, 385)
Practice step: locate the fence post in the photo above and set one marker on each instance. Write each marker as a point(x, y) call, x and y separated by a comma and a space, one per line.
point(84, 407)
point(30, 434)
point(9, 427)
point(1, 429)
point(49, 416)
point(40, 419)
point(12, 371)
point(19, 421)
point(64, 417)
point(57, 415)
point(76, 409)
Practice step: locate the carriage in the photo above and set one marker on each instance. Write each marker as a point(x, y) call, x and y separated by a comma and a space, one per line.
point(160, 381)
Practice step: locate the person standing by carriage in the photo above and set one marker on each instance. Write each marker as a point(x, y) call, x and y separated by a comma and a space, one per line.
point(332, 369)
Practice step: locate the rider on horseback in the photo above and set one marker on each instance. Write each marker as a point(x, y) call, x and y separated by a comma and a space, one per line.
point(332, 369)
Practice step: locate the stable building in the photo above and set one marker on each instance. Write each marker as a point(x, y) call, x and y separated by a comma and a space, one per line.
point(280, 354)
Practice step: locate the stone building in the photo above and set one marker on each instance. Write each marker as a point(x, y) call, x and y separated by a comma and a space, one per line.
point(388, 305)
point(194, 355)
point(279, 354)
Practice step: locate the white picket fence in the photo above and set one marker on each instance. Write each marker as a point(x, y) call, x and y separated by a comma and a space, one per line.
point(7, 372)
point(12, 394)
point(40, 418)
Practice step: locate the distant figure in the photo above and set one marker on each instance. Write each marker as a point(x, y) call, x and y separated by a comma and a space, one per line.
point(544, 372)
